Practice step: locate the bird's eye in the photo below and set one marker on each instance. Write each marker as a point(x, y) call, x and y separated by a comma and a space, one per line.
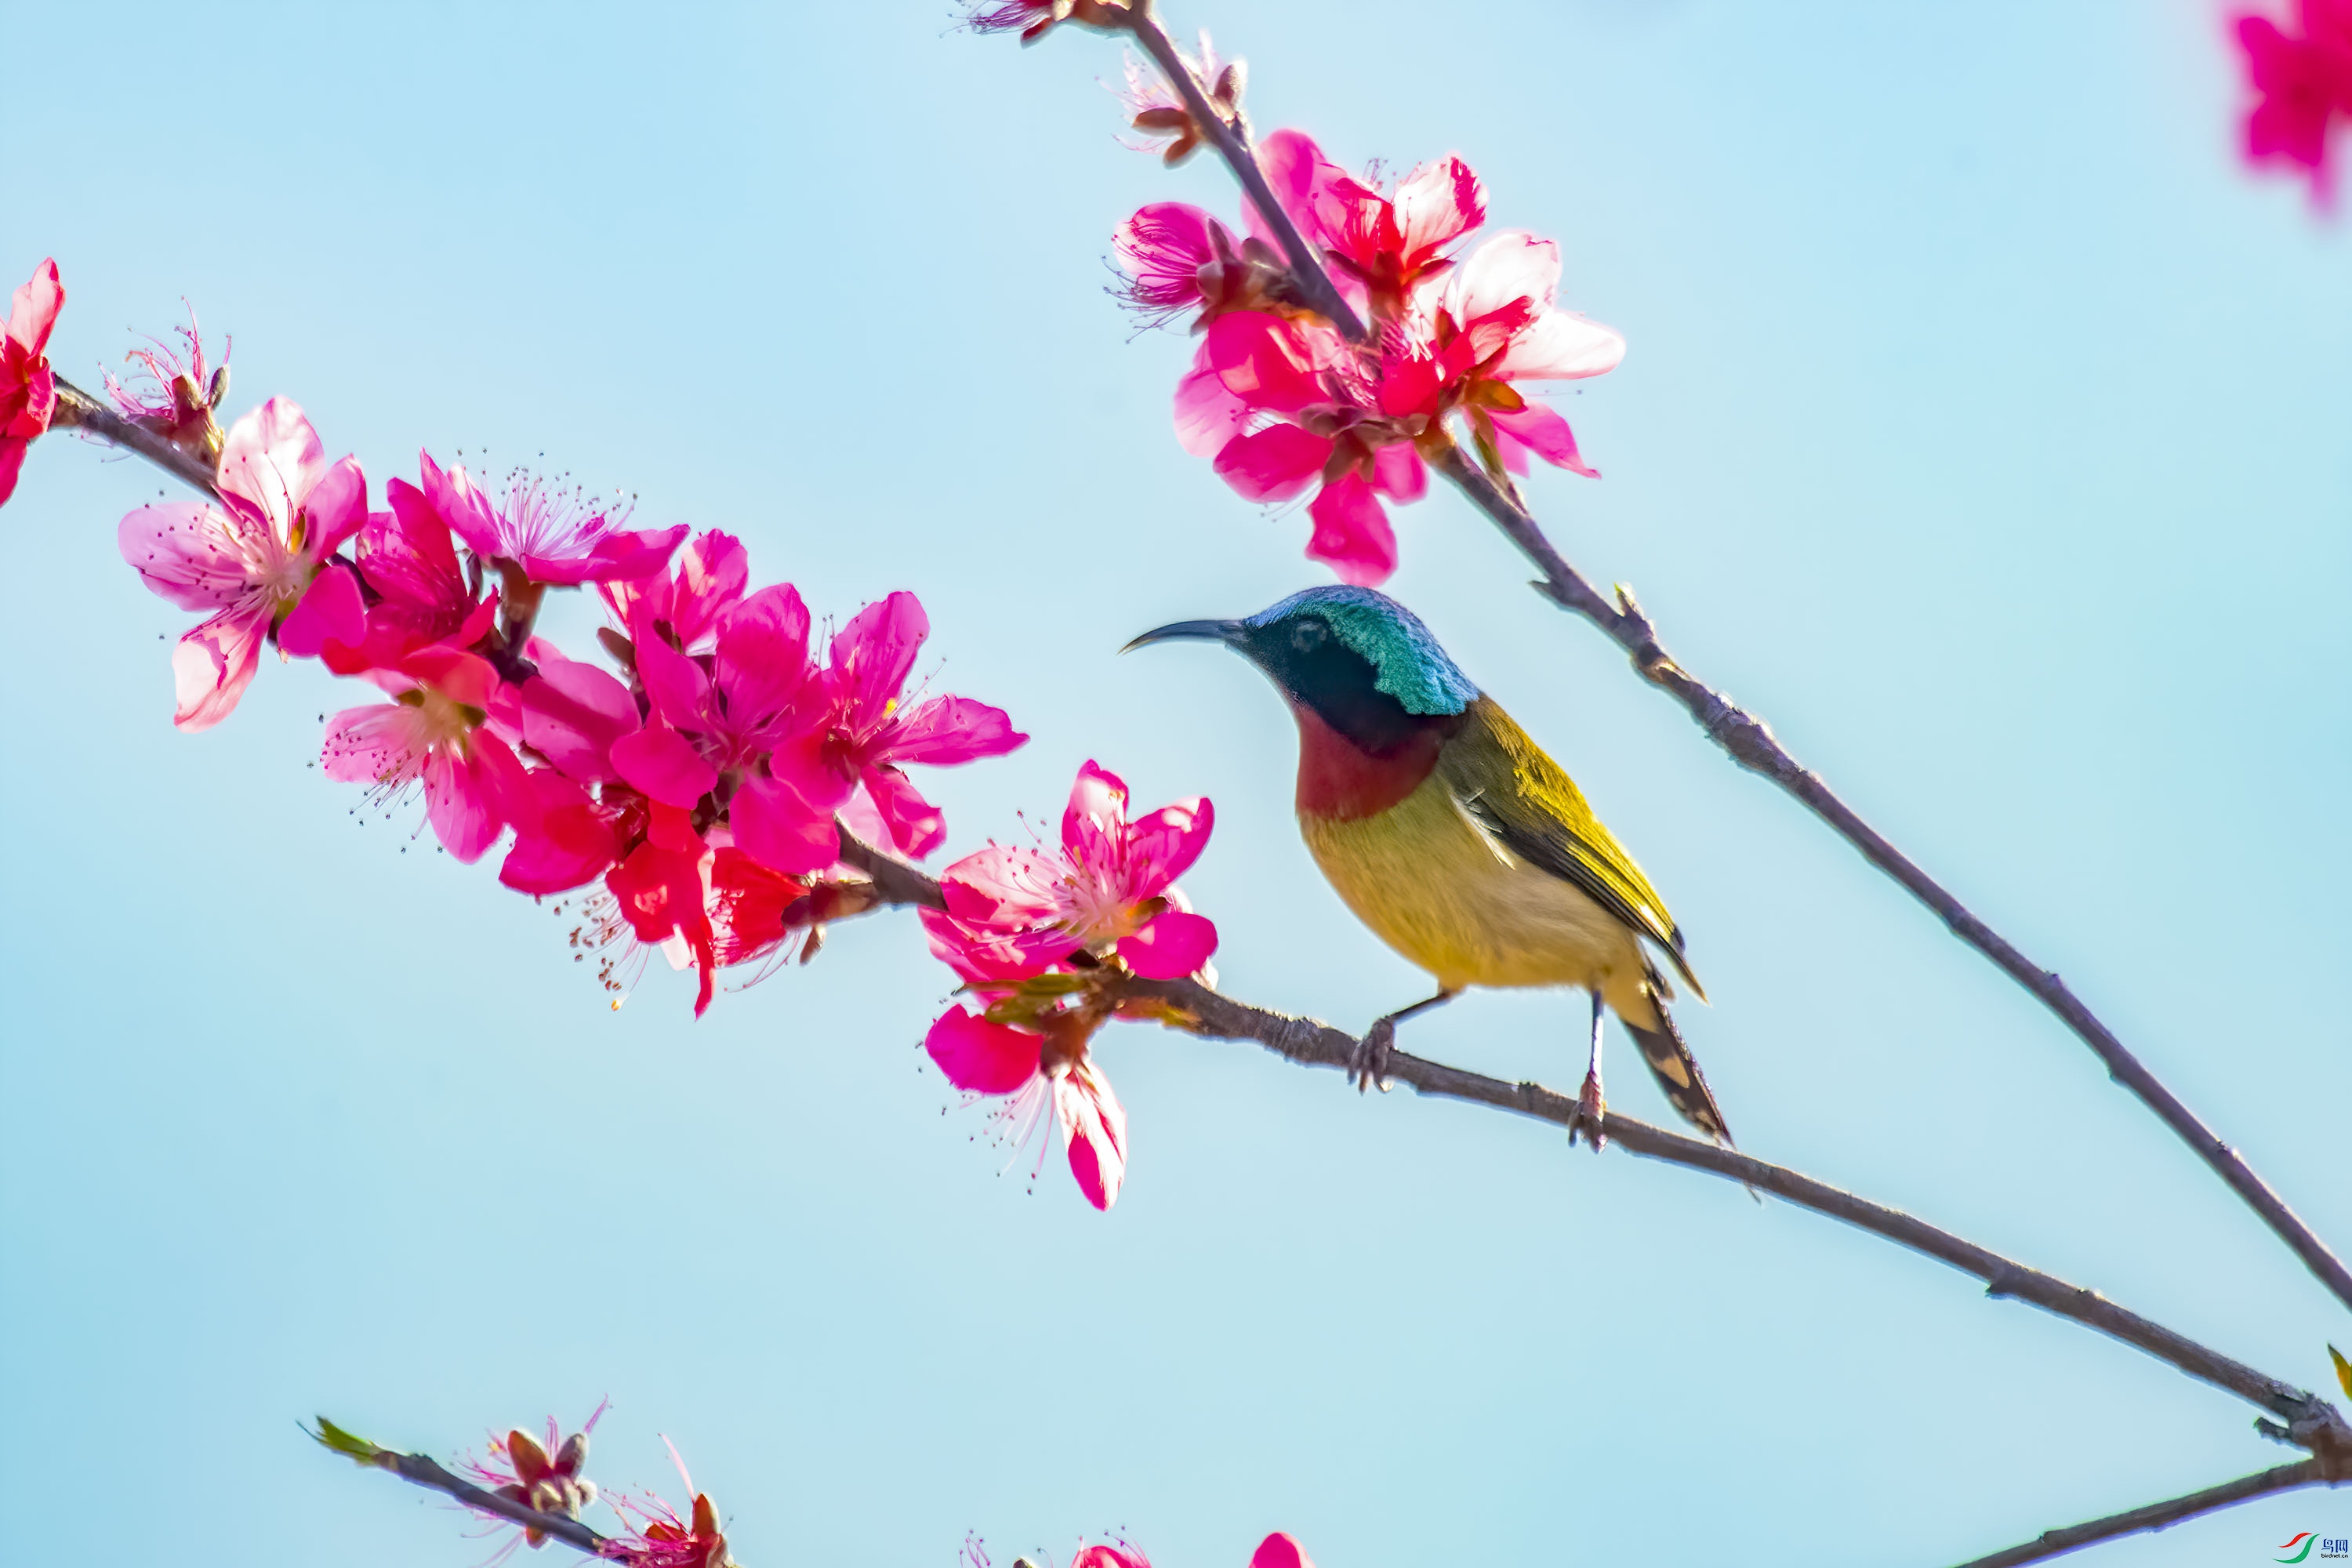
point(1307, 636)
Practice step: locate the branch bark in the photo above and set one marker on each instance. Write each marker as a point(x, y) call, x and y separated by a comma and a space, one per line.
point(2308, 1420)
point(77, 410)
point(2154, 1516)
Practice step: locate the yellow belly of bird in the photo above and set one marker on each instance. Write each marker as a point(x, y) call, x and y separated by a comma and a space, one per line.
point(1441, 892)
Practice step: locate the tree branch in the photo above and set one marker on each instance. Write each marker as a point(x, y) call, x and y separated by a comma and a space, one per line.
point(418, 1470)
point(2310, 1421)
point(2154, 1516)
point(77, 410)
point(1752, 745)
point(1232, 139)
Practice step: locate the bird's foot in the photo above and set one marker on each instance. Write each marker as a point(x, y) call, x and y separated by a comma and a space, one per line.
point(1368, 1064)
point(1587, 1117)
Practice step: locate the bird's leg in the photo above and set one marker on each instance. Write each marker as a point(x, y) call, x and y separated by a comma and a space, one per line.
point(1588, 1106)
point(1369, 1062)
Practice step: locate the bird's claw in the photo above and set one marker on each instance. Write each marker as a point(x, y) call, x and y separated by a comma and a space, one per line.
point(1588, 1116)
point(1368, 1064)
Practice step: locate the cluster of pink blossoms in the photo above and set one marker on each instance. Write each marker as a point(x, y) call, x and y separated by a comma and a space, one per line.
point(1279, 1550)
point(698, 788)
point(1282, 401)
point(2303, 86)
point(1033, 931)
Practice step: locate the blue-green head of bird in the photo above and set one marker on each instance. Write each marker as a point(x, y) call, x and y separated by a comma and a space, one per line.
point(1354, 659)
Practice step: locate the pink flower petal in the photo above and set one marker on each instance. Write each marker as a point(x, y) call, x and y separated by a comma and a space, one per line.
point(777, 826)
point(1513, 265)
point(1398, 472)
point(1274, 464)
point(573, 712)
point(1171, 945)
point(677, 686)
point(1353, 535)
point(1297, 174)
point(334, 509)
point(1162, 845)
point(331, 610)
point(270, 459)
point(663, 765)
point(1280, 1550)
point(32, 309)
point(214, 663)
point(1094, 1125)
point(762, 669)
point(1207, 414)
point(982, 954)
point(190, 552)
point(981, 1057)
point(1094, 822)
point(1266, 361)
point(1437, 203)
point(570, 844)
point(1541, 430)
point(380, 743)
point(917, 826)
point(950, 729)
point(12, 463)
point(1002, 885)
point(873, 655)
point(1561, 347)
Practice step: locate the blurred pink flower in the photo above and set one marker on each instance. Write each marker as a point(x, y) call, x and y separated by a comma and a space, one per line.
point(1280, 1550)
point(29, 388)
point(258, 562)
point(2302, 84)
point(434, 731)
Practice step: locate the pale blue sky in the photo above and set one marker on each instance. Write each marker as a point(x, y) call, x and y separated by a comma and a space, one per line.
point(1983, 427)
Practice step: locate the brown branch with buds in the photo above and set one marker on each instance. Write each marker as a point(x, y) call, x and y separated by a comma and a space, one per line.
point(77, 410)
point(1747, 738)
point(418, 1470)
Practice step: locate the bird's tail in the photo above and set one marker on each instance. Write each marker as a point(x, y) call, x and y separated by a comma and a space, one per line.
point(1676, 1071)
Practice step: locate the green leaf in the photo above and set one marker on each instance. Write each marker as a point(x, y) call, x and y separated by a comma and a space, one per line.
point(351, 1445)
point(2343, 1369)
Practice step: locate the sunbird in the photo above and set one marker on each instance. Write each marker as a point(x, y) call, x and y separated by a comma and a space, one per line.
point(1450, 833)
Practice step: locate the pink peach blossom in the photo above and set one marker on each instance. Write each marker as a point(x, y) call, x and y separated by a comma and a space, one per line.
point(1394, 242)
point(870, 730)
point(260, 560)
point(29, 387)
point(2303, 86)
point(435, 733)
point(554, 534)
point(1280, 1550)
point(1109, 891)
point(421, 593)
point(1496, 323)
point(548, 1477)
point(172, 391)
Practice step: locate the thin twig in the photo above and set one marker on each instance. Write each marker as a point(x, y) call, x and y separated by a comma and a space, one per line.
point(2154, 1516)
point(418, 1470)
point(1752, 745)
point(77, 410)
point(2310, 1421)
point(1232, 144)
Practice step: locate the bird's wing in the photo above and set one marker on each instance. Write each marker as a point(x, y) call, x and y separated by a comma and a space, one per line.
point(1525, 802)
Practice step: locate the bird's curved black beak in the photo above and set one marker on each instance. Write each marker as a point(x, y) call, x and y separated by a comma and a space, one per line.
point(1196, 631)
